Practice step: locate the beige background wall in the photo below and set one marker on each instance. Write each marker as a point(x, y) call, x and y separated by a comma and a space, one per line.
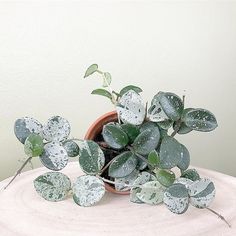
point(169, 46)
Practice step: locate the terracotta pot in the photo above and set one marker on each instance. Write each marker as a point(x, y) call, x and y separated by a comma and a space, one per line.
point(94, 130)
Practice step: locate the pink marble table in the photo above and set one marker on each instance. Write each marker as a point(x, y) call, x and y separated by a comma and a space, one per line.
point(24, 213)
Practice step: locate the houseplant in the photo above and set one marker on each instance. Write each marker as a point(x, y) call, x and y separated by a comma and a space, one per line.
point(136, 153)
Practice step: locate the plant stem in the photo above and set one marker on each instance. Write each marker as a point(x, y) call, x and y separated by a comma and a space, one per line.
point(19, 171)
point(106, 166)
point(177, 127)
point(219, 215)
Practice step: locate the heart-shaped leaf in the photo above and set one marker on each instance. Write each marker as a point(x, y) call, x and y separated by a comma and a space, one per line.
point(185, 159)
point(91, 157)
point(54, 156)
point(25, 126)
point(176, 198)
point(125, 183)
point(151, 193)
point(141, 179)
point(165, 177)
point(131, 130)
point(147, 141)
point(93, 68)
point(202, 193)
point(107, 79)
point(130, 87)
point(114, 136)
point(102, 92)
point(71, 148)
point(170, 152)
point(153, 158)
point(52, 186)
point(56, 129)
point(131, 109)
point(200, 120)
point(122, 165)
point(33, 145)
point(191, 174)
point(88, 190)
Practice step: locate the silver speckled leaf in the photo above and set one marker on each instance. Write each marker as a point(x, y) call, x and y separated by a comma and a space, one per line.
point(56, 129)
point(184, 158)
point(52, 186)
point(176, 198)
point(127, 180)
point(25, 126)
point(131, 109)
point(143, 177)
point(202, 193)
point(91, 157)
point(151, 193)
point(72, 148)
point(88, 190)
point(54, 156)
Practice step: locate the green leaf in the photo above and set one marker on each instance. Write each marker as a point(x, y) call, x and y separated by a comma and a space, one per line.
point(131, 109)
point(107, 79)
point(148, 125)
point(54, 156)
point(165, 177)
point(130, 87)
point(200, 120)
point(52, 186)
point(114, 135)
point(185, 159)
point(25, 126)
point(170, 153)
point(153, 158)
point(102, 92)
point(141, 179)
point(131, 130)
point(183, 129)
point(172, 105)
point(176, 198)
point(191, 174)
point(122, 165)
point(93, 68)
point(151, 193)
point(88, 190)
point(147, 141)
point(33, 145)
point(56, 129)
point(121, 183)
point(155, 112)
point(202, 193)
point(141, 165)
point(91, 157)
point(165, 124)
point(71, 148)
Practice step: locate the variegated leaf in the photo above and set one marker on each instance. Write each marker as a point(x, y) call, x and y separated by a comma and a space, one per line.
point(202, 193)
point(25, 126)
point(88, 190)
point(151, 193)
point(54, 156)
point(56, 129)
point(52, 186)
point(184, 181)
point(33, 146)
point(91, 157)
point(176, 198)
point(71, 148)
point(131, 109)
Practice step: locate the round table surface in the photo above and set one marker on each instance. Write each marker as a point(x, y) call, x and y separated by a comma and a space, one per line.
point(24, 213)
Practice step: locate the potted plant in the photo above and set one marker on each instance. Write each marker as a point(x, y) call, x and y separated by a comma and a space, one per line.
point(128, 151)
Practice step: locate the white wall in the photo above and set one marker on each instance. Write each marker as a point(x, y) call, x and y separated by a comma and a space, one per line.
point(168, 45)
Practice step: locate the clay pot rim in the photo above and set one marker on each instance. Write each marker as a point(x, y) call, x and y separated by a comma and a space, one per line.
point(94, 130)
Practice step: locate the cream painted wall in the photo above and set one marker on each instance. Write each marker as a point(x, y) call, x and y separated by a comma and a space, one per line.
point(168, 45)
